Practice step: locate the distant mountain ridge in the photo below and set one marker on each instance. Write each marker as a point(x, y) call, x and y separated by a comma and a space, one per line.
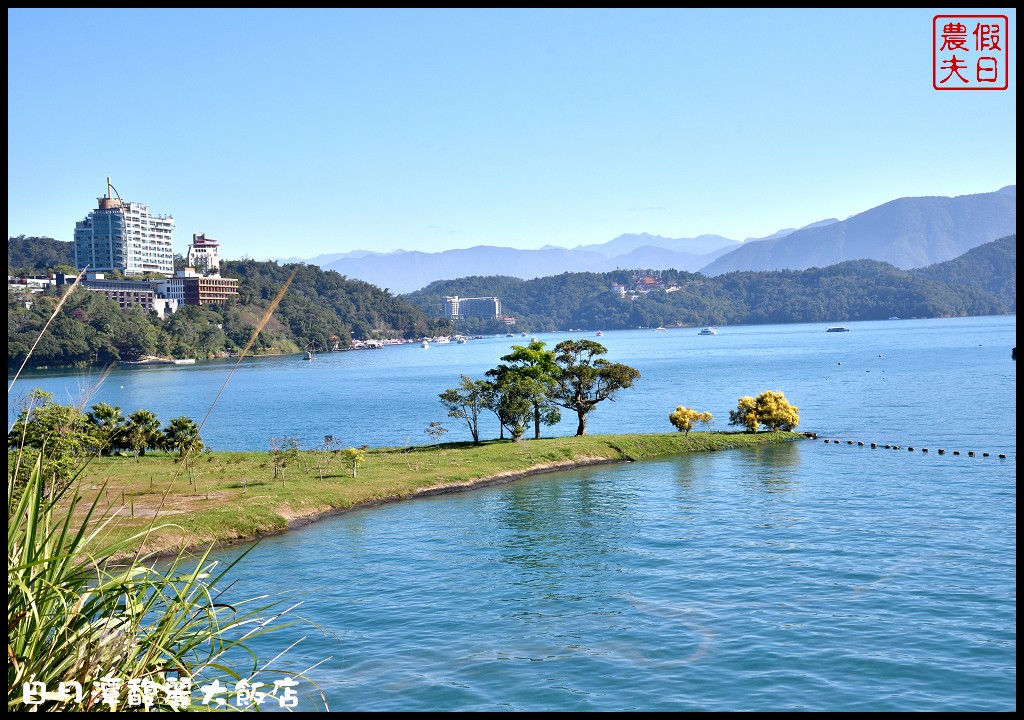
point(404, 272)
point(908, 233)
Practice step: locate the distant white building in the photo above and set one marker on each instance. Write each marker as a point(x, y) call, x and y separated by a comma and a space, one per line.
point(456, 308)
point(124, 236)
point(31, 283)
point(204, 254)
point(126, 292)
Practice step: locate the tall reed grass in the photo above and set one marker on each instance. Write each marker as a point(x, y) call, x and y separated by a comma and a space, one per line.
point(87, 632)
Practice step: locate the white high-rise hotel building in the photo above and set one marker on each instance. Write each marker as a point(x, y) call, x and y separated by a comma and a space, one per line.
point(124, 236)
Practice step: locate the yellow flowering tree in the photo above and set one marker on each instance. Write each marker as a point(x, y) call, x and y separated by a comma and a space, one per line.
point(770, 409)
point(685, 418)
point(775, 412)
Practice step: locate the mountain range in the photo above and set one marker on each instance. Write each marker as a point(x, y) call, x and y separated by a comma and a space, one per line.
point(908, 233)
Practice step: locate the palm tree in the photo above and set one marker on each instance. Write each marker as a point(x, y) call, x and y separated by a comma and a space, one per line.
point(142, 432)
point(182, 434)
point(108, 424)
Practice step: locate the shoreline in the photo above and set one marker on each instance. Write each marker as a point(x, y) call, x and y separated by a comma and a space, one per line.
point(165, 508)
point(306, 519)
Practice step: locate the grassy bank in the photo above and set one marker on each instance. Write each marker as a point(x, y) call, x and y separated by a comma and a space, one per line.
point(234, 496)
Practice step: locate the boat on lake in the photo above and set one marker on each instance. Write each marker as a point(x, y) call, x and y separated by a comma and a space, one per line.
point(837, 328)
point(154, 360)
point(708, 331)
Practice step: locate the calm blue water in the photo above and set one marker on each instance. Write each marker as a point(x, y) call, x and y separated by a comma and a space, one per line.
point(811, 576)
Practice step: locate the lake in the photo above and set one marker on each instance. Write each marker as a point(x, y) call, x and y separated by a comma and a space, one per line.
point(811, 576)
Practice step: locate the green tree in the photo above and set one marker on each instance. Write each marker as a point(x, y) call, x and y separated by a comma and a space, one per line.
point(142, 432)
point(108, 427)
point(182, 434)
point(584, 379)
point(58, 436)
point(535, 372)
point(465, 403)
point(509, 398)
point(684, 418)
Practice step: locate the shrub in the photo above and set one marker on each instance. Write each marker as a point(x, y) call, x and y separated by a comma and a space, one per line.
point(684, 418)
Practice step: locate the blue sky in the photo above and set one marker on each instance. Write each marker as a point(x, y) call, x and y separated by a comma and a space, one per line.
point(295, 133)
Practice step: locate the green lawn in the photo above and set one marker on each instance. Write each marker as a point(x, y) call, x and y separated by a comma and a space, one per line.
point(232, 496)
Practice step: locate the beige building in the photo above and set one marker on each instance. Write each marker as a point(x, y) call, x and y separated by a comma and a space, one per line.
point(204, 254)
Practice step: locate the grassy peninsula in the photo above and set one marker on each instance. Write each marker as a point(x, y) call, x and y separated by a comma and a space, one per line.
point(227, 497)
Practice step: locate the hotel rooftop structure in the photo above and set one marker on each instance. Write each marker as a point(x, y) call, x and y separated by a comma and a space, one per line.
point(124, 236)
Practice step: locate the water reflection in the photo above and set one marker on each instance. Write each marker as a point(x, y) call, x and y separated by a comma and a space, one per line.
point(772, 469)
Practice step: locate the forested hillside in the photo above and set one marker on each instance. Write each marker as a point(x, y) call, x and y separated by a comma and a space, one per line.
point(37, 255)
point(981, 283)
point(992, 267)
point(323, 305)
point(317, 308)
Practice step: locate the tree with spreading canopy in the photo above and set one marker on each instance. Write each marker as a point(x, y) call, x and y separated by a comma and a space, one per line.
point(532, 371)
point(465, 403)
point(584, 379)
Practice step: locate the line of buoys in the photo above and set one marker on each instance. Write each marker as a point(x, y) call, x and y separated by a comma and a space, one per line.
point(910, 448)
